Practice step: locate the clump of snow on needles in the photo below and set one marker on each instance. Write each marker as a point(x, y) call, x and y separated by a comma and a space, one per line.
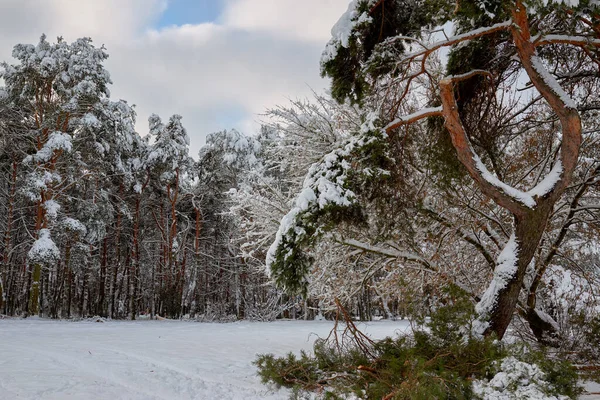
point(342, 30)
point(74, 226)
point(568, 3)
point(52, 208)
point(57, 141)
point(43, 249)
point(323, 186)
point(516, 380)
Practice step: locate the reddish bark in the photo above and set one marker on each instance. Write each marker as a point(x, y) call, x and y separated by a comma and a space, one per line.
point(530, 222)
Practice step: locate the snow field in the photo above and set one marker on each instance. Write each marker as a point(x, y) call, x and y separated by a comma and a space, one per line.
point(153, 360)
point(149, 360)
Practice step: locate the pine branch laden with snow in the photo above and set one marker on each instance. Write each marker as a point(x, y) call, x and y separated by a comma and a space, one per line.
point(343, 29)
point(515, 380)
point(44, 250)
point(326, 199)
point(323, 190)
point(56, 142)
point(531, 200)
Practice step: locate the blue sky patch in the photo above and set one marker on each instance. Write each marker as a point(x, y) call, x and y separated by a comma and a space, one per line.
point(180, 12)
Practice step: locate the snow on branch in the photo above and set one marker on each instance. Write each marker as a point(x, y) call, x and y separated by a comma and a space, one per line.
point(472, 34)
point(469, 75)
point(560, 102)
point(342, 30)
point(57, 141)
point(552, 83)
point(565, 39)
point(414, 117)
point(506, 268)
point(503, 194)
point(386, 252)
point(515, 194)
point(44, 250)
point(526, 198)
point(549, 181)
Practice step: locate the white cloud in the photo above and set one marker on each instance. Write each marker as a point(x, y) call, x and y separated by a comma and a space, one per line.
point(304, 20)
point(217, 75)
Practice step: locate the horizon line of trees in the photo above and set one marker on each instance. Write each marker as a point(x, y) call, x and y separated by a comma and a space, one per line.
point(97, 219)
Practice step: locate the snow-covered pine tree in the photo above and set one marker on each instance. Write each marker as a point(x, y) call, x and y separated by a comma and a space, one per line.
point(56, 86)
point(223, 162)
point(391, 69)
point(170, 167)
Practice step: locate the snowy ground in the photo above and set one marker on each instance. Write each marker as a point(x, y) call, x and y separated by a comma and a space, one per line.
point(592, 387)
point(151, 360)
point(43, 359)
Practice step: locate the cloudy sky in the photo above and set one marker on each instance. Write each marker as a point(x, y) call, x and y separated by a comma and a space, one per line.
point(219, 63)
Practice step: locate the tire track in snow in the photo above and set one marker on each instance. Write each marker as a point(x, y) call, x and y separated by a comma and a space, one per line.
point(81, 366)
point(192, 377)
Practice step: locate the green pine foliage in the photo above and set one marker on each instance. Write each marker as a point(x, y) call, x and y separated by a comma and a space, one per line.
point(440, 360)
point(369, 44)
point(440, 156)
point(292, 262)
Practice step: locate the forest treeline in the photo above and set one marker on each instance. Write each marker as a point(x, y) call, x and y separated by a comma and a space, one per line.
point(100, 220)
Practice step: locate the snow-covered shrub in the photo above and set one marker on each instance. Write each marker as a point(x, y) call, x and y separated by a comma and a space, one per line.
point(269, 309)
point(571, 293)
point(516, 380)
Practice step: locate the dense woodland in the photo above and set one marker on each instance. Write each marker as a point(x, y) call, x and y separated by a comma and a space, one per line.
point(476, 169)
point(100, 220)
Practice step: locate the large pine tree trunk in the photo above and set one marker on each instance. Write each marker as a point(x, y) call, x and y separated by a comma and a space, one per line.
point(502, 296)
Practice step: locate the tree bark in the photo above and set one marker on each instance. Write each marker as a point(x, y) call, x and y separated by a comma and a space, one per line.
point(530, 219)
